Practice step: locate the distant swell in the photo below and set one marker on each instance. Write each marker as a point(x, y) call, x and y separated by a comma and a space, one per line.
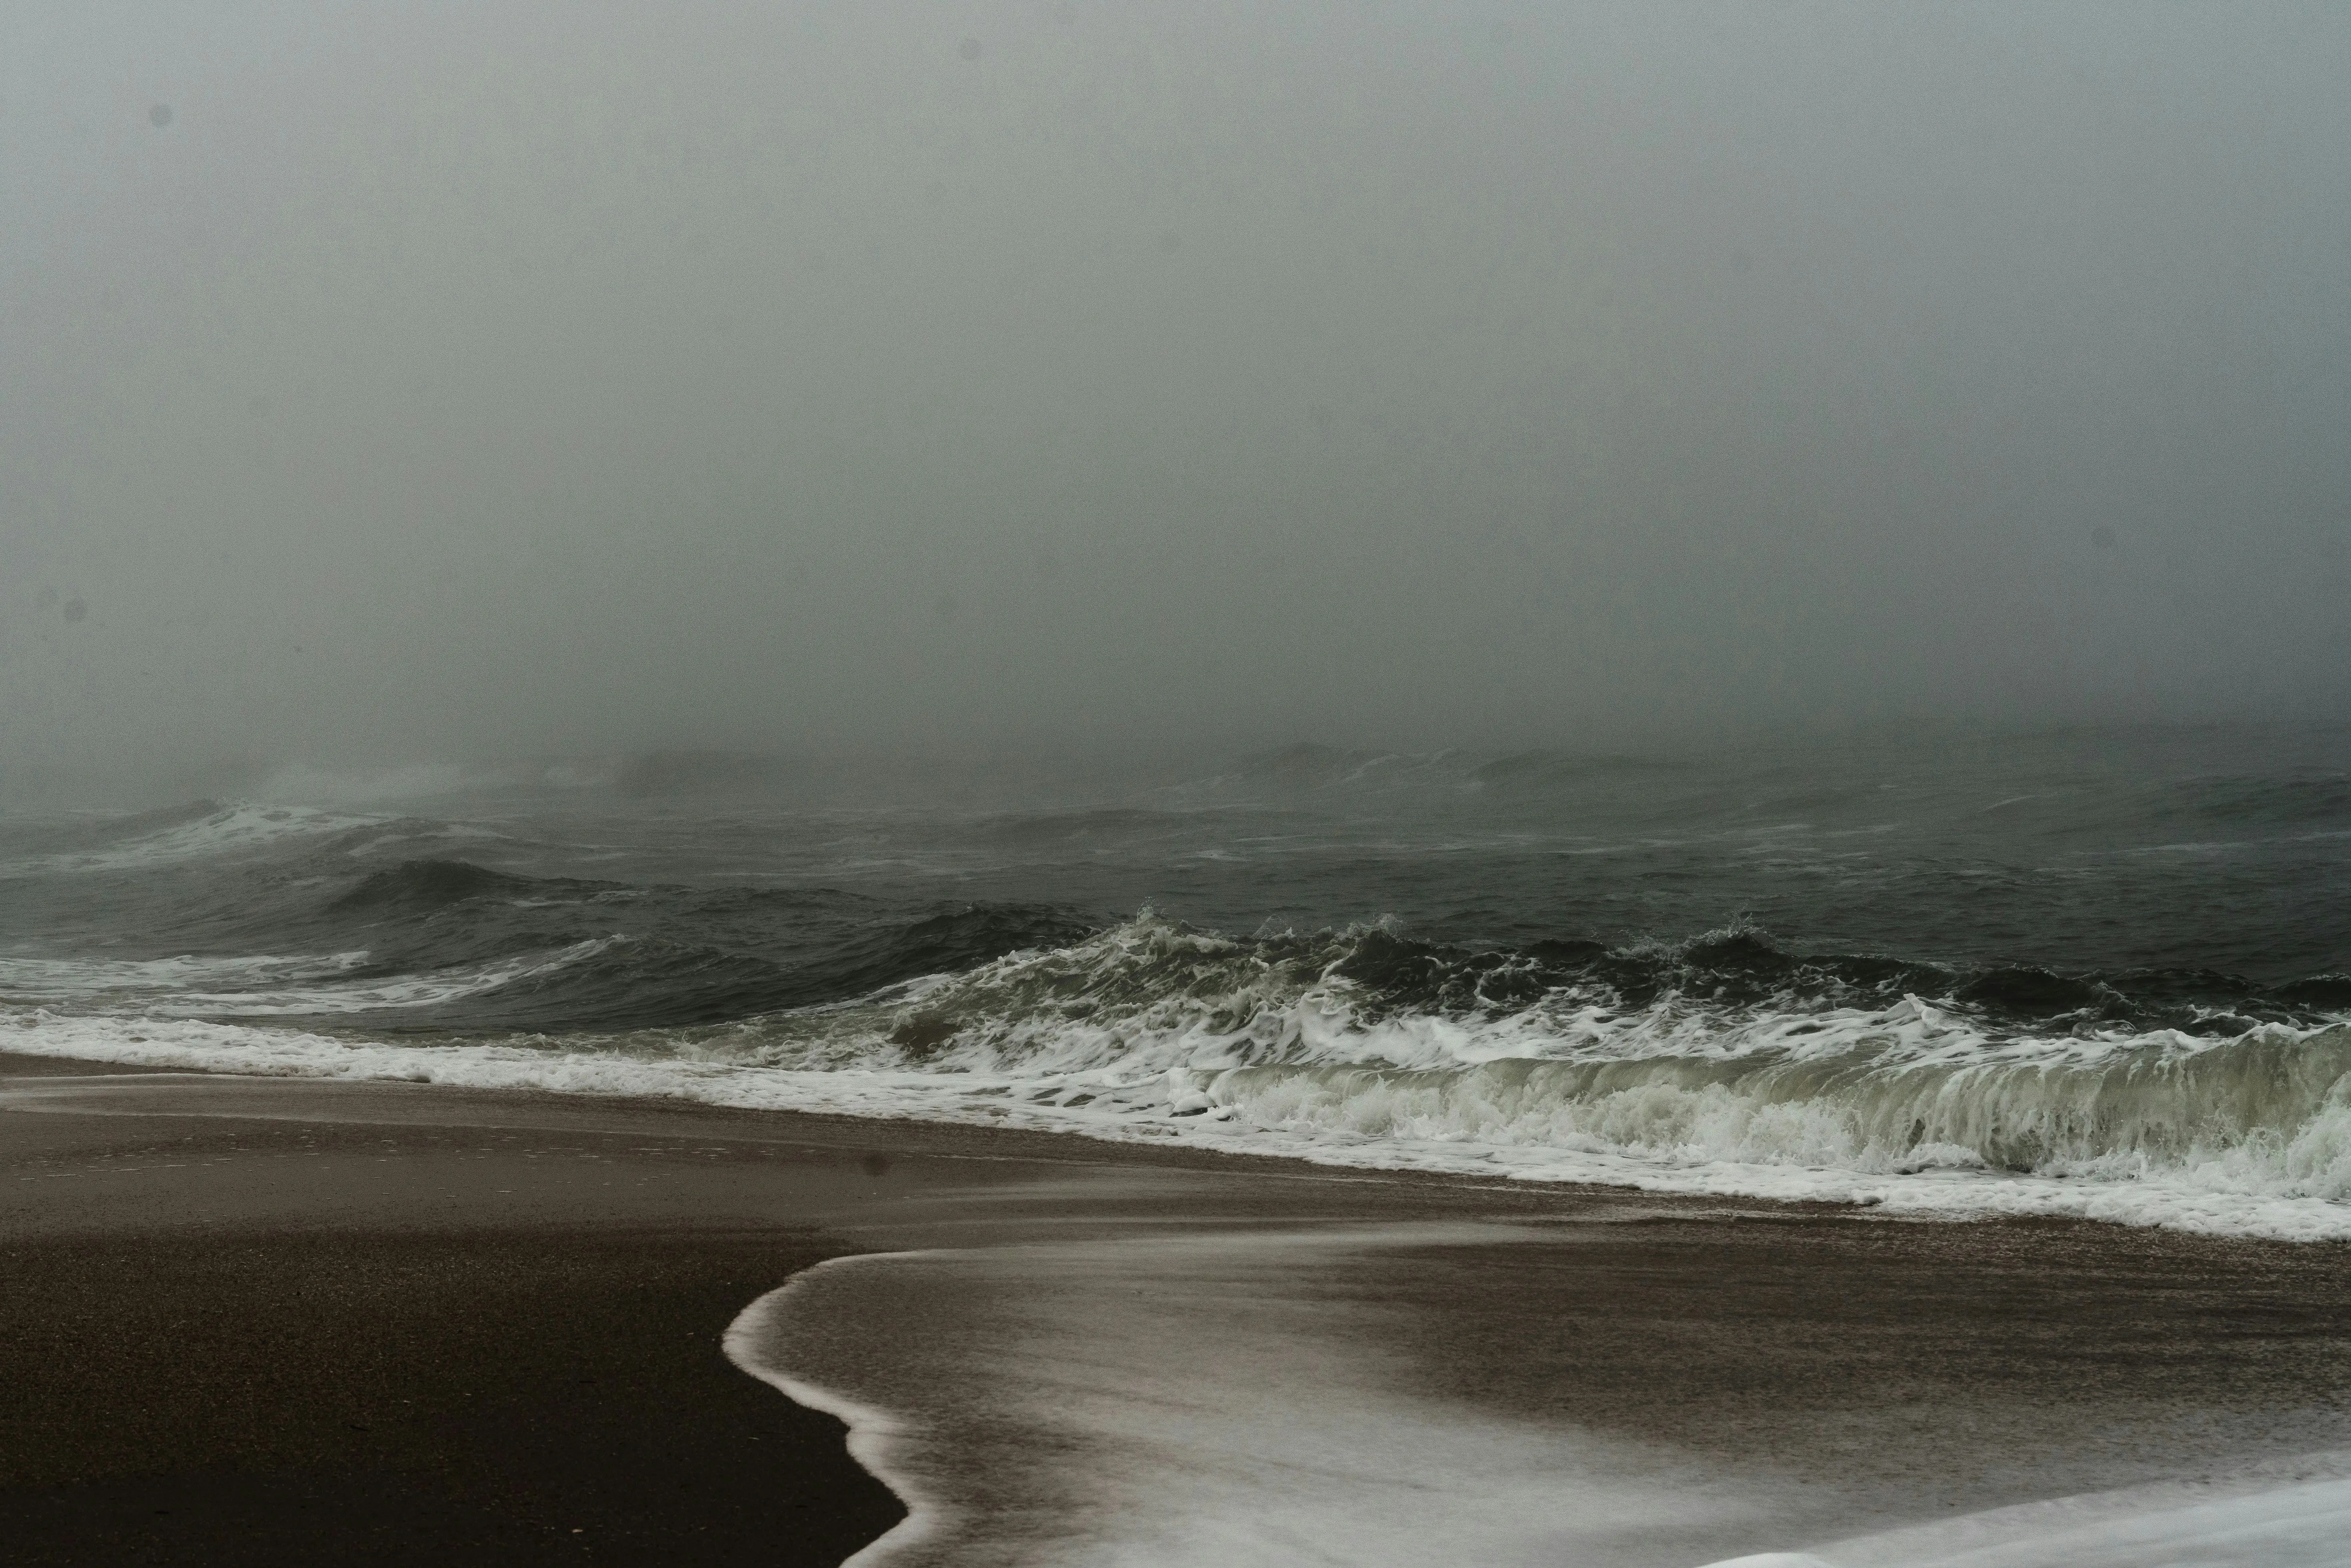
point(447, 947)
point(428, 885)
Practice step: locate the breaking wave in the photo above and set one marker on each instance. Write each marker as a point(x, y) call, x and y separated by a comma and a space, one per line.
point(1722, 1064)
point(1672, 1061)
point(2103, 977)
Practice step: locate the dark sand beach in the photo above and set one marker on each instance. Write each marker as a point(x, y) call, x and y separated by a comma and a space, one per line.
point(289, 1341)
point(280, 1321)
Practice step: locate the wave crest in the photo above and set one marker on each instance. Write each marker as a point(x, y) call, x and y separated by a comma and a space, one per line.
point(1299, 1038)
point(1720, 1064)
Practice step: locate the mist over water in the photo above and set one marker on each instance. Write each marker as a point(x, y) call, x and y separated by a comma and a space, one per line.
point(2099, 974)
point(457, 382)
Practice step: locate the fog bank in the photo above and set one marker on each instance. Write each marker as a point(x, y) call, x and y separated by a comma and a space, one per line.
point(435, 381)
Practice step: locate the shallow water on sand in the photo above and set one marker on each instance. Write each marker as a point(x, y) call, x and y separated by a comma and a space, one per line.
point(1188, 1400)
point(1171, 1368)
point(1279, 1394)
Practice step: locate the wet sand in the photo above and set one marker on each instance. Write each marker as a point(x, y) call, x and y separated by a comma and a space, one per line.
point(270, 1321)
point(288, 1342)
point(1613, 1386)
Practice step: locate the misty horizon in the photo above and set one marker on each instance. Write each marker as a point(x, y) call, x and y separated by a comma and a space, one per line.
point(440, 384)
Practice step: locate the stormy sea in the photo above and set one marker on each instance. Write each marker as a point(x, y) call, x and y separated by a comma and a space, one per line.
point(2093, 974)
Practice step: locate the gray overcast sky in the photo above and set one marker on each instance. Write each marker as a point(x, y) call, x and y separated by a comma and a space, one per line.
point(410, 381)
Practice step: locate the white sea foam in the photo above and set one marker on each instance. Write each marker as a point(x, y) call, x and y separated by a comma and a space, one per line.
point(232, 829)
point(265, 986)
point(1152, 1032)
point(874, 1433)
point(2223, 1197)
point(27, 981)
point(2263, 1520)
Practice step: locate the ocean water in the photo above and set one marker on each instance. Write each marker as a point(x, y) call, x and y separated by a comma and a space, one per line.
point(2103, 974)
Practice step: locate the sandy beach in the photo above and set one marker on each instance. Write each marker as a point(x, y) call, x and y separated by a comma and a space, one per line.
point(300, 1340)
point(270, 1321)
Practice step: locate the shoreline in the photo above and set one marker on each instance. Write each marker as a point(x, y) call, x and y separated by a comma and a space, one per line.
point(380, 1237)
point(2263, 1205)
